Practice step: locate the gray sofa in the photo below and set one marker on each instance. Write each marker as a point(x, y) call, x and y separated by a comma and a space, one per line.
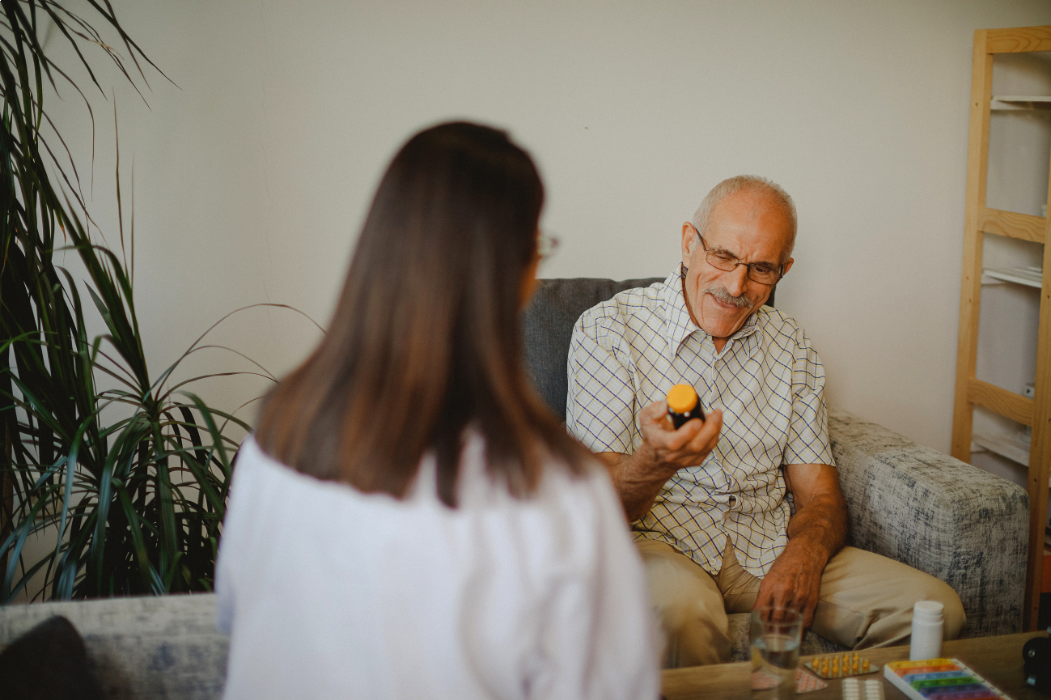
point(906, 501)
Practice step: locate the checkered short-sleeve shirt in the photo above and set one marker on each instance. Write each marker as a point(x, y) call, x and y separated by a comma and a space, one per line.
point(768, 381)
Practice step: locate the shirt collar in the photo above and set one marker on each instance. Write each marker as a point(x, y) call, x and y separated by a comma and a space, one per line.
point(680, 326)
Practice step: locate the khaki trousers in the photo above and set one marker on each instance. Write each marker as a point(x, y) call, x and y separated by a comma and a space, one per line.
point(866, 601)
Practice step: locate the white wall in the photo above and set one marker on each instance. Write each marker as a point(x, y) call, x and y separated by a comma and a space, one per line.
point(252, 177)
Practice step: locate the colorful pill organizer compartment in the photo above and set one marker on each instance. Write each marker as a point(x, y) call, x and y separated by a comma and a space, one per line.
point(939, 679)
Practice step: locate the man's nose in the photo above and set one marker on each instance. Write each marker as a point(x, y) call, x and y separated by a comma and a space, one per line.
point(737, 280)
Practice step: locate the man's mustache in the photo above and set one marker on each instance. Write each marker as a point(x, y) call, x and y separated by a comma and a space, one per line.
point(742, 302)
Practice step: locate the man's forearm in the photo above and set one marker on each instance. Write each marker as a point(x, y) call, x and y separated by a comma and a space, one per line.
point(815, 533)
point(637, 480)
point(664, 450)
point(819, 527)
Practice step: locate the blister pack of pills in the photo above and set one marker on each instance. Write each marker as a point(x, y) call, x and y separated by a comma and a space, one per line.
point(857, 689)
point(849, 663)
point(807, 682)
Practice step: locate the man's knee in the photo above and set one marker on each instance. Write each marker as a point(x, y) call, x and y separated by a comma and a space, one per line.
point(675, 581)
point(926, 587)
point(696, 634)
point(682, 602)
point(867, 600)
point(689, 605)
point(698, 611)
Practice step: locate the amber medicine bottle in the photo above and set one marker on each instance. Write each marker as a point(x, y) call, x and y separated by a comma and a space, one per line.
point(683, 404)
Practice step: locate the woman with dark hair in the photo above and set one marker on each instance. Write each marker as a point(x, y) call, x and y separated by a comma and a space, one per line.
point(408, 520)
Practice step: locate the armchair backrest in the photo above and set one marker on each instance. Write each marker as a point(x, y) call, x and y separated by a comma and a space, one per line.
point(547, 326)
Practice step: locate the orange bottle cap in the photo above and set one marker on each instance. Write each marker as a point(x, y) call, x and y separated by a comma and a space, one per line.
point(682, 398)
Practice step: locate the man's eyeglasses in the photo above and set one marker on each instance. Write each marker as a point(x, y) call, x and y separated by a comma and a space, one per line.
point(761, 272)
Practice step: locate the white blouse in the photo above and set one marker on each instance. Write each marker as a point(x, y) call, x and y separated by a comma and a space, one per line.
point(330, 593)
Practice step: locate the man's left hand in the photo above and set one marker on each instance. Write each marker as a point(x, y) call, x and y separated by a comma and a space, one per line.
point(794, 581)
point(815, 533)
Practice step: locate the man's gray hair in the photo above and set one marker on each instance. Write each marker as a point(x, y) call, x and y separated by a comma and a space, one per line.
point(746, 183)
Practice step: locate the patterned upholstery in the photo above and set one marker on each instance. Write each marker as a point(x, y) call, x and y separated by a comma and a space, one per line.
point(935, 513)
point(164, 648)
point(906, 501)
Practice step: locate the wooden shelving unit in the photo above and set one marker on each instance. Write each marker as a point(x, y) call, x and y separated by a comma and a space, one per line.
point(979, 221)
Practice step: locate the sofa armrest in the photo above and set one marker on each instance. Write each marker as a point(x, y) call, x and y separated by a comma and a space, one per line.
point(935, 513)
point(149, 647)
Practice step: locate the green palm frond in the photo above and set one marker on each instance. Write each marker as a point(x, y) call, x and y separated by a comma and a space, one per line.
point(134, 503)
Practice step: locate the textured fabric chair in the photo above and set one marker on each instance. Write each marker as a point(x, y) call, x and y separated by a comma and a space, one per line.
point(905, 501)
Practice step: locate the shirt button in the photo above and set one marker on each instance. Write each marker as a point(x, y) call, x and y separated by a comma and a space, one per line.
point(733, 501)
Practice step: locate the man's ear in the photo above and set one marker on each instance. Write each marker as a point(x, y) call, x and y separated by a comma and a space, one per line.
point(689, 241)
point(787, 266)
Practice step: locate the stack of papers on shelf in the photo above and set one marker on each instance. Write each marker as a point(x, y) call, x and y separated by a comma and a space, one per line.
point(1013, 446)
point(1030, 276)
point(1012, 102)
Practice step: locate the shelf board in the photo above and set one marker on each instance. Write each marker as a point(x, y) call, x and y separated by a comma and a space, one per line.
point(1008, 103)
point(1013, 446)
point(1030, 276)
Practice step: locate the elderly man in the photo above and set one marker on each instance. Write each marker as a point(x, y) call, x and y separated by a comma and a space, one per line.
point(708, 501)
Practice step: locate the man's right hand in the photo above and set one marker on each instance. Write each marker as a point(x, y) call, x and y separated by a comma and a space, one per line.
point(639, 477)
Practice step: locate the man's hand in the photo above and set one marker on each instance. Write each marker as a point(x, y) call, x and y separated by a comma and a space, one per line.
point(816, 532)
point(639, 477)
point(671, 449)
point(794, 581)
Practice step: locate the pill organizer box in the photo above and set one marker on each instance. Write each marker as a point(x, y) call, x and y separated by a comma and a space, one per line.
point(940, 679)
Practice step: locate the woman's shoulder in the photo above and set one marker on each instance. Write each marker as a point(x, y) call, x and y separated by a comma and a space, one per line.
point(253, 464)
point(261, 478)
point(562, 496)
point(558, 480)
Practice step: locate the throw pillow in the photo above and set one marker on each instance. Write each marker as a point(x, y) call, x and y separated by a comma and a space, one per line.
point(49, 662)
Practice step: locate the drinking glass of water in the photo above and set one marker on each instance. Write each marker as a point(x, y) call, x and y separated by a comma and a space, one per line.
point(775, 652)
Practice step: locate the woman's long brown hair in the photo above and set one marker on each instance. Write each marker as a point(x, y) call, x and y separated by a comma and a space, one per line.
point(426, 336)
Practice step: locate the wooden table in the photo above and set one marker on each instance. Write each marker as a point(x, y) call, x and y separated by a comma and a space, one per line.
point(997, 659)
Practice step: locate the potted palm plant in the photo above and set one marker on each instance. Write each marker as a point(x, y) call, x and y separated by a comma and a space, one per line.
point(126, 484)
